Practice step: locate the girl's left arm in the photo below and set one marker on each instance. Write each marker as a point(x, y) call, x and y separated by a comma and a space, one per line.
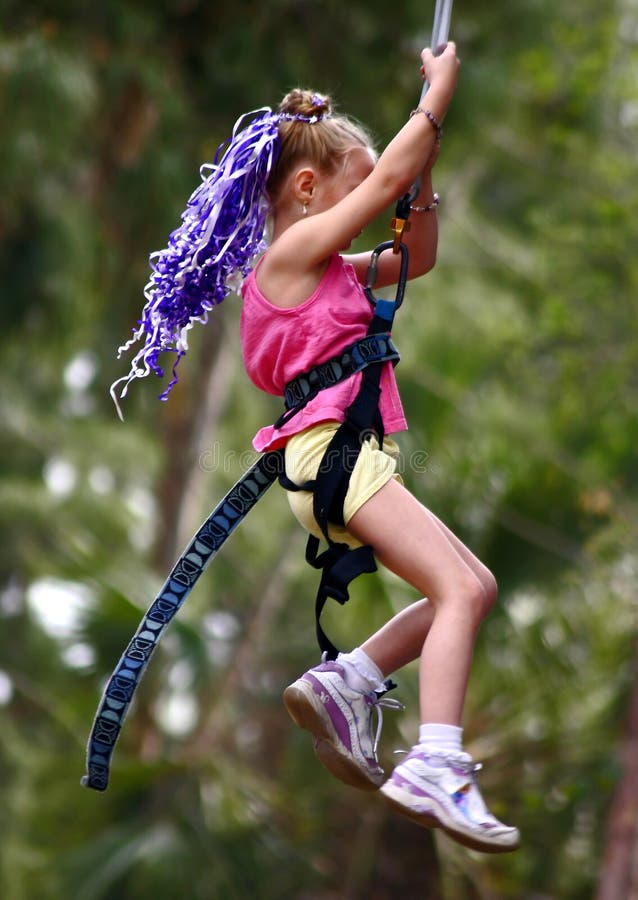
point(421, 240)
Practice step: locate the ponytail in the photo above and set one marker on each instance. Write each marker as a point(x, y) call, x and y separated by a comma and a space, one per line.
point(221, 234)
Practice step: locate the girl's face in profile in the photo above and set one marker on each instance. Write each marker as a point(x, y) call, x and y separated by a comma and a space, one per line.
point(357, 164)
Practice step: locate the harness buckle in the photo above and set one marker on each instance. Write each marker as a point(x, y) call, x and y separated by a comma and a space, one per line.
point(367, 350)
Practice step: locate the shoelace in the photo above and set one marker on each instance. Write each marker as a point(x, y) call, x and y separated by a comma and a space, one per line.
point(461, 761)
point(379, 704)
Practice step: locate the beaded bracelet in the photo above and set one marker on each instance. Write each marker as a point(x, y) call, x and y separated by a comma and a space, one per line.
point(432, 119)
point(429, 208)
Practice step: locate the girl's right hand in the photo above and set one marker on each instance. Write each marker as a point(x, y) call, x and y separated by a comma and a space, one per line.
point(441, 70)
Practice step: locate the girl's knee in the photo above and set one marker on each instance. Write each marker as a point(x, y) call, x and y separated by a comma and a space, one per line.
point(479, 595)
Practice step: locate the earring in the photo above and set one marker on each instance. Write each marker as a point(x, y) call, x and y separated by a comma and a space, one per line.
point(304, 209)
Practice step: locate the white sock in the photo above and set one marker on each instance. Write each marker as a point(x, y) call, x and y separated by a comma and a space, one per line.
point(362, 673)
point(440, 740)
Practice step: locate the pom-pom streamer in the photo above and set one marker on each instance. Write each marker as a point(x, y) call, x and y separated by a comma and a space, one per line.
point(221, 234)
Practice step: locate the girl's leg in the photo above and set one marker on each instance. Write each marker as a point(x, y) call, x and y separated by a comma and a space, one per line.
point(435, 784)
point(401, 640)
point(416, 546)
point(480, 570)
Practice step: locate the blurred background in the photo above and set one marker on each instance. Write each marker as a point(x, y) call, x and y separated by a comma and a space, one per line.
point(518, 372)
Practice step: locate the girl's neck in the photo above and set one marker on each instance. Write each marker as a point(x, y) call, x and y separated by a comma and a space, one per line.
point(283, 218)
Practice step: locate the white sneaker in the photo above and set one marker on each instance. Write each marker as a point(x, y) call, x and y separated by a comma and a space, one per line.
point(442, 792)
point(340, 720)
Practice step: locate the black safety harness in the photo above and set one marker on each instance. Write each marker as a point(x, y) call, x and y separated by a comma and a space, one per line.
point(339, 564)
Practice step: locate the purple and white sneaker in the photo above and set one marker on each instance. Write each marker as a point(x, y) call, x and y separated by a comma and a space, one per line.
point(447, 796)
point(340, 721)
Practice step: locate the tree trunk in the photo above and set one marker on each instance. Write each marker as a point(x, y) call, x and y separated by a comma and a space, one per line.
point(188, 424)
point(619, 875)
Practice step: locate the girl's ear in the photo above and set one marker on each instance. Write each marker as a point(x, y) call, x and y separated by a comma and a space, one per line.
point(304, 183)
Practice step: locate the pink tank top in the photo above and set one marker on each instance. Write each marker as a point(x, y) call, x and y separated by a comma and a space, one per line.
point(279, 344)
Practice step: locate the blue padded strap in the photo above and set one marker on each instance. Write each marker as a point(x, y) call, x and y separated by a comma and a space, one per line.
point(202, 549)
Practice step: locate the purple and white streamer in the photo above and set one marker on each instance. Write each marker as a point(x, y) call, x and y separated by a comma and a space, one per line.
point(215, 247)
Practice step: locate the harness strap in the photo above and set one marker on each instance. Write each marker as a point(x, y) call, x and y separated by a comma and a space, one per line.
point(372, 348)
point(203, 548)
point(340, 564)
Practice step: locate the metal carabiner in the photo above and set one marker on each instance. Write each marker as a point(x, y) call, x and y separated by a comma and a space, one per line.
point(373, 269)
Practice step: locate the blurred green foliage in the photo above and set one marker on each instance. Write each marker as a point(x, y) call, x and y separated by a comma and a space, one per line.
point(519, 377)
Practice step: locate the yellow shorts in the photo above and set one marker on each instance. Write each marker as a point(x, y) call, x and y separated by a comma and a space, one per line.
point(373, 469)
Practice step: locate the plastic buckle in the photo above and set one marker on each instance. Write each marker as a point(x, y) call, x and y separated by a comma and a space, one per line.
point(366, 351)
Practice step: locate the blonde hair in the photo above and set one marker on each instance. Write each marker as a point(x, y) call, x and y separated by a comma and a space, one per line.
point(323, 142)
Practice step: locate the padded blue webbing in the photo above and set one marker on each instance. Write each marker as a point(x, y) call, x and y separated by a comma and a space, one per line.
point(203, 548)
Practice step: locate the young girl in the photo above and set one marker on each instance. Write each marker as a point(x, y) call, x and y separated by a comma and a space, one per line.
point(304, 303)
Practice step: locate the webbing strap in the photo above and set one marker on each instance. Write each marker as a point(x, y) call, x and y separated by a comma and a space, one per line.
point(373, 348)
point(202, 549)
point(340, 564)
point(204, 546)
point(370, 349)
